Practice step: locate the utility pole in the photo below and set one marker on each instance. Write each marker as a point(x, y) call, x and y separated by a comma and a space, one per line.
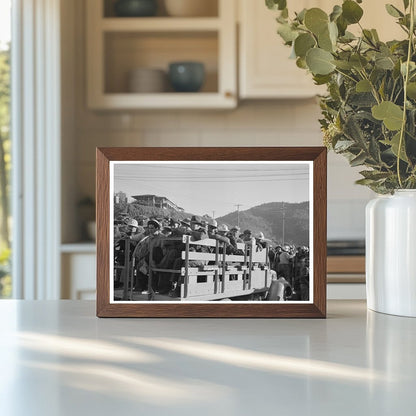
point(283, 225)
point(238, 213)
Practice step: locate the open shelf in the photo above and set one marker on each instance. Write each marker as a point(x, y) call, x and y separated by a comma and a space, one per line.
point(116, 46)
point(160, 24)
point(127, 51)
point(210, 9)
point(158, 101)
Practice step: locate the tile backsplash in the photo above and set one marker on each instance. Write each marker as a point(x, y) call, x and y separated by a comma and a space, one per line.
point(258, 123)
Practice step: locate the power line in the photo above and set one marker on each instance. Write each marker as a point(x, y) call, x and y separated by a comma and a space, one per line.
point(214, 168)
point(210, 176)
point(238, 213)
point(191, 180)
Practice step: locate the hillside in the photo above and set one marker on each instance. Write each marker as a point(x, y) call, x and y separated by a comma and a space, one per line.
point(136, 210)
point(268, 218)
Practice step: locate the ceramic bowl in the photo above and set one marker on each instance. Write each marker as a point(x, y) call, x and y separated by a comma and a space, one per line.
point(186, 76)
point(135, 8)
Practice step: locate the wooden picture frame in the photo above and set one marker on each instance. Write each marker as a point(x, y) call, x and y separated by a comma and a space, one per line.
point(108, 304)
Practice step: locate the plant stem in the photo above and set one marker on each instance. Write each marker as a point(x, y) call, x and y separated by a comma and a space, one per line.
point(346, 75)
point(373, 88)
point(406, 79)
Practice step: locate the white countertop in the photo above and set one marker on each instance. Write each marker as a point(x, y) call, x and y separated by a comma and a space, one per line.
point(57, 358)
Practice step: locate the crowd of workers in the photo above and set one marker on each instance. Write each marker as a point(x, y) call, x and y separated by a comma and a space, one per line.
point(156, 243)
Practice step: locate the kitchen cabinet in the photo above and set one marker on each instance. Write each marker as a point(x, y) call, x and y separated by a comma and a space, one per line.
point(265, 70)
point(118, 45)
point(346, 269)
point(78, 263)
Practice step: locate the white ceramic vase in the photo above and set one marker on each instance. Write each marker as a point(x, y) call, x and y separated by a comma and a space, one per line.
point(391, 253)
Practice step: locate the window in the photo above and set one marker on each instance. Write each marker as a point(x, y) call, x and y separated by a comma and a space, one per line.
point(5, 147)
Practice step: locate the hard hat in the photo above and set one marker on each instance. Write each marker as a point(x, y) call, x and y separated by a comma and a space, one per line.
point(196, 220)
point(260, 236)
point(223, 228)
point(155, 223)
point(133, 223)
point(212, 223)
point(235, 228)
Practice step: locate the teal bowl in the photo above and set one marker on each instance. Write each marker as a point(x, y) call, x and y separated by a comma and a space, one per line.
point(135, 8)
point(186, 76)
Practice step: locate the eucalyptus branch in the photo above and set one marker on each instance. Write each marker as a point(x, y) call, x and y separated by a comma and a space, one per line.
point(346, 75)
point(373, 88)
point(406, 79)
point(363, 60)
point(392, 91)
point(398, 95)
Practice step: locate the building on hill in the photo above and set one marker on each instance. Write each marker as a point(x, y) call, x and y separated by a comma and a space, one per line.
point(156, 201)
point(120, 198)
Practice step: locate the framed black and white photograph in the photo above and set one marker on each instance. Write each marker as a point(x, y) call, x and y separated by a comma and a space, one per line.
point(225, 232)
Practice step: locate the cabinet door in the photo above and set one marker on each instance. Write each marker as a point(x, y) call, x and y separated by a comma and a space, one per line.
point(78, 276)
point(265, 68)
point(266, 71)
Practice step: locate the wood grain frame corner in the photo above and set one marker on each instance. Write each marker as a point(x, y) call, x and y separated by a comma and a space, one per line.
point(317, 309)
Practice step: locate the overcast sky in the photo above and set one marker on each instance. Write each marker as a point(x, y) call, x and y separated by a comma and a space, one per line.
point(203, 188)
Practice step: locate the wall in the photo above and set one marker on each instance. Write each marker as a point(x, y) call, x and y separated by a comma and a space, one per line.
point(253, 123)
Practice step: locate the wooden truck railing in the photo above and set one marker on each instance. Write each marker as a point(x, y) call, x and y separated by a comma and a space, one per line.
point(222, 275)
point(218, 276)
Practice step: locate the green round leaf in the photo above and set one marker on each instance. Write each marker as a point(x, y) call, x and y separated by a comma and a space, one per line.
point(358, 61)
point(327, 39)
point(325, 42)
point(333, 32)
point(391, 114)
point(336, 12)
point(344, 65)
point(276, 4)
point(303, 43)
point(287, 33)
point(394, 145)
point(301, 63)
point(316, 20)
point(322, 79)
point(384, 62)
point(319, 61)
point(393, 11)
point(363, 86)
point(342, 25)
point(301, 15)
point(411, 90)
point(351, 11)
